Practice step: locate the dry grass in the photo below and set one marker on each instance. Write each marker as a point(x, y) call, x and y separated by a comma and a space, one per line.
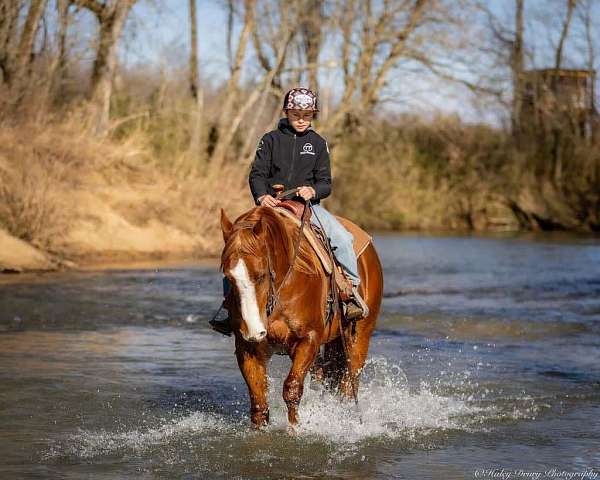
point(65, 192)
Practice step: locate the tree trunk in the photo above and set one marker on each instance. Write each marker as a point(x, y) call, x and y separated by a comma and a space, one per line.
point(517, 72)
point(311, 33)
point(9, 20)
point(52, 88)
point(195, 90)
point(193, 50)
point(24, 51)
point(563, 34)
point(232, 94)
point(111, 26)
point(557, 143)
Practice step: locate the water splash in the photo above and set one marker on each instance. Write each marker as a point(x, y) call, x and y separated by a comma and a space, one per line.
point(87, 444)
point(389, 408)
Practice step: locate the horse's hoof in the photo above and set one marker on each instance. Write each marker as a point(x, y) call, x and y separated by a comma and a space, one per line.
point(292, 429)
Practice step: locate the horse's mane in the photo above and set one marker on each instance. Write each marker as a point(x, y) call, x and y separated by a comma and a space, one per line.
point(281, 235)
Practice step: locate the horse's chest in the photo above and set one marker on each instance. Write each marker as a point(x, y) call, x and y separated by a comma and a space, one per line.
point(279, 334)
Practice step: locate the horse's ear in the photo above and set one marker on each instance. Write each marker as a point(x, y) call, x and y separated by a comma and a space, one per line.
point(226, 225)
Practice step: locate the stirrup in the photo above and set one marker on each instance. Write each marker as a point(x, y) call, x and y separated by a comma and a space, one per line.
point(356, 307)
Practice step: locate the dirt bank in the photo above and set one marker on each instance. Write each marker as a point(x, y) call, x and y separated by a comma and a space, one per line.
point(68, 200)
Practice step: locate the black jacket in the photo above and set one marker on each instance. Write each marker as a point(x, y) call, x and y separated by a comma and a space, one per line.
point(291, 159)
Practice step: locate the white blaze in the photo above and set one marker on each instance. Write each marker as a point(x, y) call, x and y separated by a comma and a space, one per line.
point(250, 312)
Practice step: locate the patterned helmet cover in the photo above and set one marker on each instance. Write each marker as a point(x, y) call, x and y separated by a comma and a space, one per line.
point(300, 99)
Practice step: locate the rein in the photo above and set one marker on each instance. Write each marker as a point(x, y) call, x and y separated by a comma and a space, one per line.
point(274, 294)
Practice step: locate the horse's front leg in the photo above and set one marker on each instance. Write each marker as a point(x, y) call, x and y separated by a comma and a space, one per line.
point(252, 360)
point(303, 356)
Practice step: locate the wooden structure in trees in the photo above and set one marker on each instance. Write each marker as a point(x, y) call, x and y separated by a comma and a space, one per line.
point(559, 99)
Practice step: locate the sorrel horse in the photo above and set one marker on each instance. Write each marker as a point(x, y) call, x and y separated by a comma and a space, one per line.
point(259, 250)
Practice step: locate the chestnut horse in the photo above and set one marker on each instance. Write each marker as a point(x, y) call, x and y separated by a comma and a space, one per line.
point(259, 250)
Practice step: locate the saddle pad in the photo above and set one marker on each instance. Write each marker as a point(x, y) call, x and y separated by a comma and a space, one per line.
point(360, 243)
point(312, 239)
point(361, 238)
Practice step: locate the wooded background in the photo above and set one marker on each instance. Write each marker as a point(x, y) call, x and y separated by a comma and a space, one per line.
point(167, 144)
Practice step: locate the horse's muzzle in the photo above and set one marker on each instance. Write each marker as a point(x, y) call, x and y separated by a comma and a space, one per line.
point(257, 337)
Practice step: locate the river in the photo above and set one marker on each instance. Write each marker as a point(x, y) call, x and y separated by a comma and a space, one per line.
point(486, 357)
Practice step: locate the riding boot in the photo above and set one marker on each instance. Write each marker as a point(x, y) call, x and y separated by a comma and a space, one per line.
point(222, 326)
point(356, 307)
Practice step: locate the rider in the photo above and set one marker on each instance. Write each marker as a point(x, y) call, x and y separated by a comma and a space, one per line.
point(297, 157)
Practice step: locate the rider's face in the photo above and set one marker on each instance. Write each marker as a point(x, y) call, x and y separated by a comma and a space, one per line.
point(300, 119)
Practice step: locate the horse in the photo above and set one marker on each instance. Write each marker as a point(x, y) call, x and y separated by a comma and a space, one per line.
point(262, 254)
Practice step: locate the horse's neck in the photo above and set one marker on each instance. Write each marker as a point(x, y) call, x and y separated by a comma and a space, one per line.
point(279, 245)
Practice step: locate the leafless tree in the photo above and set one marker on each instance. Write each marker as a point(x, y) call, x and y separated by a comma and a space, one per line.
point(313, 22)
point(375, 37)
point(16, 47)
point(195, 89)
point(237, 104)
point(517, 67)
point(563, 34)
point(111, 18)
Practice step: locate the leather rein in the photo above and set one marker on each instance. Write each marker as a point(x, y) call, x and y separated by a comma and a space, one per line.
point(274, 293)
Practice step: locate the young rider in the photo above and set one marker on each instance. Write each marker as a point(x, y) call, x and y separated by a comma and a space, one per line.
point(295, 156)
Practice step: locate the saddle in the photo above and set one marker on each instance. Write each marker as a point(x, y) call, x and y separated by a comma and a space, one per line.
point(317, 238)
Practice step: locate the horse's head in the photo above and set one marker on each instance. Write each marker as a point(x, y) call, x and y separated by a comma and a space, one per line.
point(245, 263)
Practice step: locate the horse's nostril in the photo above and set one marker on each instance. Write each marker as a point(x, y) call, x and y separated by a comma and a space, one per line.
point(262, 334)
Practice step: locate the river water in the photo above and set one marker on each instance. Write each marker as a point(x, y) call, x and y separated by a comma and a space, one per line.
point(486, 357)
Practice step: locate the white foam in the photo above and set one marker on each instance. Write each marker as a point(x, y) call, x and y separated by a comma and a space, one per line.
point(386, 407)
point(86, 444)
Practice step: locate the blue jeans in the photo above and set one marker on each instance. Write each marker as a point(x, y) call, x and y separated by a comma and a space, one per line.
point(341, 240)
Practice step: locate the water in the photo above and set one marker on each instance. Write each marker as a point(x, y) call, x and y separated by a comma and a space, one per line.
point(486, 357)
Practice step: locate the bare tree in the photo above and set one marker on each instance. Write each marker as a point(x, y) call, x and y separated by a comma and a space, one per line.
point(57, 68)
point(193, 50)
point(111, 19)
point(24, 50)
point(517, 65)
point(16, 48)
point(374, 37)
point(312, 37)
point(195, 89)
point(563, 34)
point(10, 11)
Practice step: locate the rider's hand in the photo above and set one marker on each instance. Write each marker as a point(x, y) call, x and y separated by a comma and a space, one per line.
point(306, 192)
point(268, 201)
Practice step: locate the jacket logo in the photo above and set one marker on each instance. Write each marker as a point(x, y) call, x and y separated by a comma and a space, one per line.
point(307, 149)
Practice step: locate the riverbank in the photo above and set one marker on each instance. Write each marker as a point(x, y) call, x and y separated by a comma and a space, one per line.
point(19, 257)
point(69, 199)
